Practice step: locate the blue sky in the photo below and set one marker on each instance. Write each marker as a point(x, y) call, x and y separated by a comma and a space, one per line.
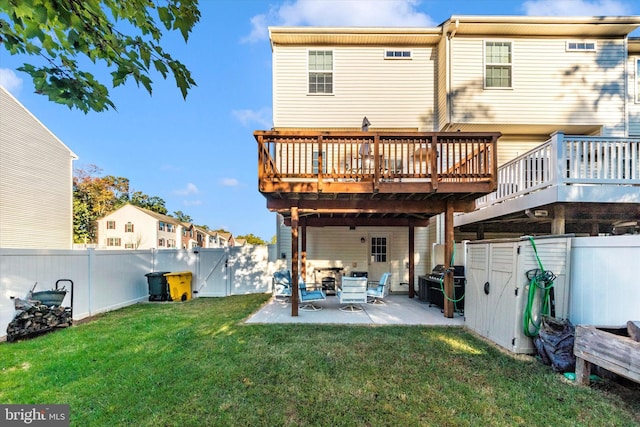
point(199, 155)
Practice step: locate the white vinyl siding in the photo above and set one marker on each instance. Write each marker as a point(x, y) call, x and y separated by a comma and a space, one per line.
point(392, 94)
point(442, 112)
point(549, 86)
point(36, 182)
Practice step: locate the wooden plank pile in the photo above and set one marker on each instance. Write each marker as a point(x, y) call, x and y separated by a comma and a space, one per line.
point(616, 350)
point(34, 318)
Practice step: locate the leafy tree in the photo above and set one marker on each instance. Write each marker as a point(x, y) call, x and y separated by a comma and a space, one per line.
point(59, 32)
point(153, 203)
point(274, 239)
point(252, 239)
point(182, 217)
point(95, 196)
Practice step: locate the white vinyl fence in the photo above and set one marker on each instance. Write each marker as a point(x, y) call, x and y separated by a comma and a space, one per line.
point(605, 280)
point(108, 280)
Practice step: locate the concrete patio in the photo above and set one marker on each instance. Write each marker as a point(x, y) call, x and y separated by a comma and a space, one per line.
point(398, 310)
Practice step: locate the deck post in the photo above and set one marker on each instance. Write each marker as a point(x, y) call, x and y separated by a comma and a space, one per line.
point(448, 252)
point(303, 248)
point(557, 224)
point(294, 261)
point(411, 257)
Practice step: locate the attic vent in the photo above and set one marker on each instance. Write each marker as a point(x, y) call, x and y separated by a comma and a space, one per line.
point(397, 54)
point(581, 46)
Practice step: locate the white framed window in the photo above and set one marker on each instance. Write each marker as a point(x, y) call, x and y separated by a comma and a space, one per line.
point(128, 228)
point(161, 242)
point(637, 80)
point(498, 64)
point(113, 241)
point(581, 46)
point(397, 54)
point(161, 226)
point(129, 246)
point(379, 249)
point(320, 68)
point(111, 225)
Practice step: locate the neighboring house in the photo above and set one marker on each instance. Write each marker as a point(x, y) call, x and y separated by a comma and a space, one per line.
point(133, 227)
point(218, 239)
point(36, 181)
point(378, 131)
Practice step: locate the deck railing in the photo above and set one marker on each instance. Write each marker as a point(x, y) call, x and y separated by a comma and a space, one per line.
point(378, 156)
point(568, 160)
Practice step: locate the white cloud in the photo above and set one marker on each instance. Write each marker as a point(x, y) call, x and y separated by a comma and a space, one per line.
point(189, 189)
point(192, 202)
point(247, 117)
point(10, 81)
point(341, 13)
point(576, 7)
point(230, 182)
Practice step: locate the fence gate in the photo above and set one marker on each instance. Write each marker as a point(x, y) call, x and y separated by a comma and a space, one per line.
point(213, 276)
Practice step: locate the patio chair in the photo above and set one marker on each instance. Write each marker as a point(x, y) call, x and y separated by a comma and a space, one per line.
point(352, 292)
point(308, 297)
point(377, 294)
point(281, 285)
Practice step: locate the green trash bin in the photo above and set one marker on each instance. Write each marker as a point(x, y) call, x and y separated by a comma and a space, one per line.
point(158, 286)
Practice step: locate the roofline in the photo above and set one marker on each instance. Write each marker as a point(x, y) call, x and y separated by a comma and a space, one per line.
point(74, 156)
point(617, 26)
point(522, 19)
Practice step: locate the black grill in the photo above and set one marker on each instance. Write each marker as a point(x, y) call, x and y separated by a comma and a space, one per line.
point(432, 286)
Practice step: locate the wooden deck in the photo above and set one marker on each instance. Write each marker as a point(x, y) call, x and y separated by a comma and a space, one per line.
point(569, 184)
point(380, 176)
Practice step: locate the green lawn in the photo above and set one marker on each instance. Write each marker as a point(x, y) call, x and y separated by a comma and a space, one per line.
point(195, 364)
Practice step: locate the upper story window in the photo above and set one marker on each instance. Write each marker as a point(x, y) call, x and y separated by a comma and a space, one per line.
point(161, 226)
point(111, 225)
point(320, 71)
point(581, 46)
point(128, 228)
point(170, 228)
point(397, 54)
point(498, 64)
point(637, 80)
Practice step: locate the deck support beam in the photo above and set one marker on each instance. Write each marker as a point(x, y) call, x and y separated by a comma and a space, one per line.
point(412, 248)
point(294, 261)
point(448, 253)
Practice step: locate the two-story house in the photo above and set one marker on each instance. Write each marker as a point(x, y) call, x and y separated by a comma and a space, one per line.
point(133, 227)
point(36, 181)
point(382, 134)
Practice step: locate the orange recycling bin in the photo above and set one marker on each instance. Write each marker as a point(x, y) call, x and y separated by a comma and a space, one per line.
point(179, 283)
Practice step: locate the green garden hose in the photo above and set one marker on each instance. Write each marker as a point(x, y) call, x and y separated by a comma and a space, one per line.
point(454, 301)
point(540, 282)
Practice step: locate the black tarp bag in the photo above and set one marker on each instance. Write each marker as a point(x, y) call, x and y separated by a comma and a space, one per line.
point(554, 344)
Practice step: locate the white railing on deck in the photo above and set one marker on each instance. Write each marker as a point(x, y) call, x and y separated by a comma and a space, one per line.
point(568, 160)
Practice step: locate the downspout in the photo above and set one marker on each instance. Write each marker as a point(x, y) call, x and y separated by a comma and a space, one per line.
point(448, 72)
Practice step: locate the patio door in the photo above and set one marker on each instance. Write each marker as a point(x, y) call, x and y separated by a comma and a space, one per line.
point(378, 255)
